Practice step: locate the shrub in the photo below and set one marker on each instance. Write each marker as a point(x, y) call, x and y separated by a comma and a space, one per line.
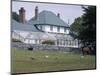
point(15, 40)
point(49, 42)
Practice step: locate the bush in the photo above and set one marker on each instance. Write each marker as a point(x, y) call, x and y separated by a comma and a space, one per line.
point(15, 40)
point(49, 42)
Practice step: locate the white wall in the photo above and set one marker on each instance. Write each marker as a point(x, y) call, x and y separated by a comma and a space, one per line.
point(28, 41)
point(32, 41)
point(22, 33)
point(61, 30)
point(54, 28)
point(47, 29)
point(15, 36)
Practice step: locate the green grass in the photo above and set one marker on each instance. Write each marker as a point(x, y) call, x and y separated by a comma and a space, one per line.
point(22, 62)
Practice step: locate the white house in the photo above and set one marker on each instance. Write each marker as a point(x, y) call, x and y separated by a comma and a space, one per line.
point(43, 26)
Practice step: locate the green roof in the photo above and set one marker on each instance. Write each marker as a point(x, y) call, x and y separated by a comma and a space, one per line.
point(23, 27)
point(47, 17)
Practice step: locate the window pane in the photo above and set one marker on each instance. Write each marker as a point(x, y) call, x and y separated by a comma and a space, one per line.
point(51, 28)
point(58, 29)
point(65, 29)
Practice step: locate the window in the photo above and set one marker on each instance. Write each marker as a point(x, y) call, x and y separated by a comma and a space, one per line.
point(57, 42)
point(41, 27)
point(69, 42)
point(51, 28)
point(65, 29)
point(64, 42)
point(58, 29)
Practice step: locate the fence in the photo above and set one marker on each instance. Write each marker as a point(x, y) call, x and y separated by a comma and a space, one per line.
point(43, 47)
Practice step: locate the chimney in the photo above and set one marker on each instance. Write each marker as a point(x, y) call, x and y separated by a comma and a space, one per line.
point(22, 15)
point(36, 12)
point(58, 15)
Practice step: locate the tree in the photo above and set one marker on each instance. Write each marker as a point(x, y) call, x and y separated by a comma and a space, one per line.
point(76, 27)
point(15, 16)
point(84, 28)
point(88, 34)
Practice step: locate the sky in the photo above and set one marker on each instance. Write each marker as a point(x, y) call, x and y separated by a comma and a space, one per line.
point(67, 12)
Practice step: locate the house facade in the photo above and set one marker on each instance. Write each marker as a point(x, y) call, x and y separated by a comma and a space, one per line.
point(43, 26)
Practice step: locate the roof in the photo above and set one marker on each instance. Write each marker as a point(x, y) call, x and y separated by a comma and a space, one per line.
point(62, 36)
point(23, 27)
point(40, 35)
point(47, 17)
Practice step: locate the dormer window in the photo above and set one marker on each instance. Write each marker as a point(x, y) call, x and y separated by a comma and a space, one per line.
point(65, 29)
point(58, 29)
point(41, 27)
point(51, 28)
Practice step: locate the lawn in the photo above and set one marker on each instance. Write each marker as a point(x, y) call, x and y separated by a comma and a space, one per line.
point(23, 61)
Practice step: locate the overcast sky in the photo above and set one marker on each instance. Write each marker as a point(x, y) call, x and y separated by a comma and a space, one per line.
point(66, 11)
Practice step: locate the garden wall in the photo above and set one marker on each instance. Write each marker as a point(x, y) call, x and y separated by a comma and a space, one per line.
point(42, 47)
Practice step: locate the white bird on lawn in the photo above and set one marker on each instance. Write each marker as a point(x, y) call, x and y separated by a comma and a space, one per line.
point(82, 56)
point(46, 56)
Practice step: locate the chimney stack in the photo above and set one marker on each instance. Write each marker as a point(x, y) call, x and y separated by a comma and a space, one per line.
point(22, 15)
point(36, 12)
point(58, 15)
